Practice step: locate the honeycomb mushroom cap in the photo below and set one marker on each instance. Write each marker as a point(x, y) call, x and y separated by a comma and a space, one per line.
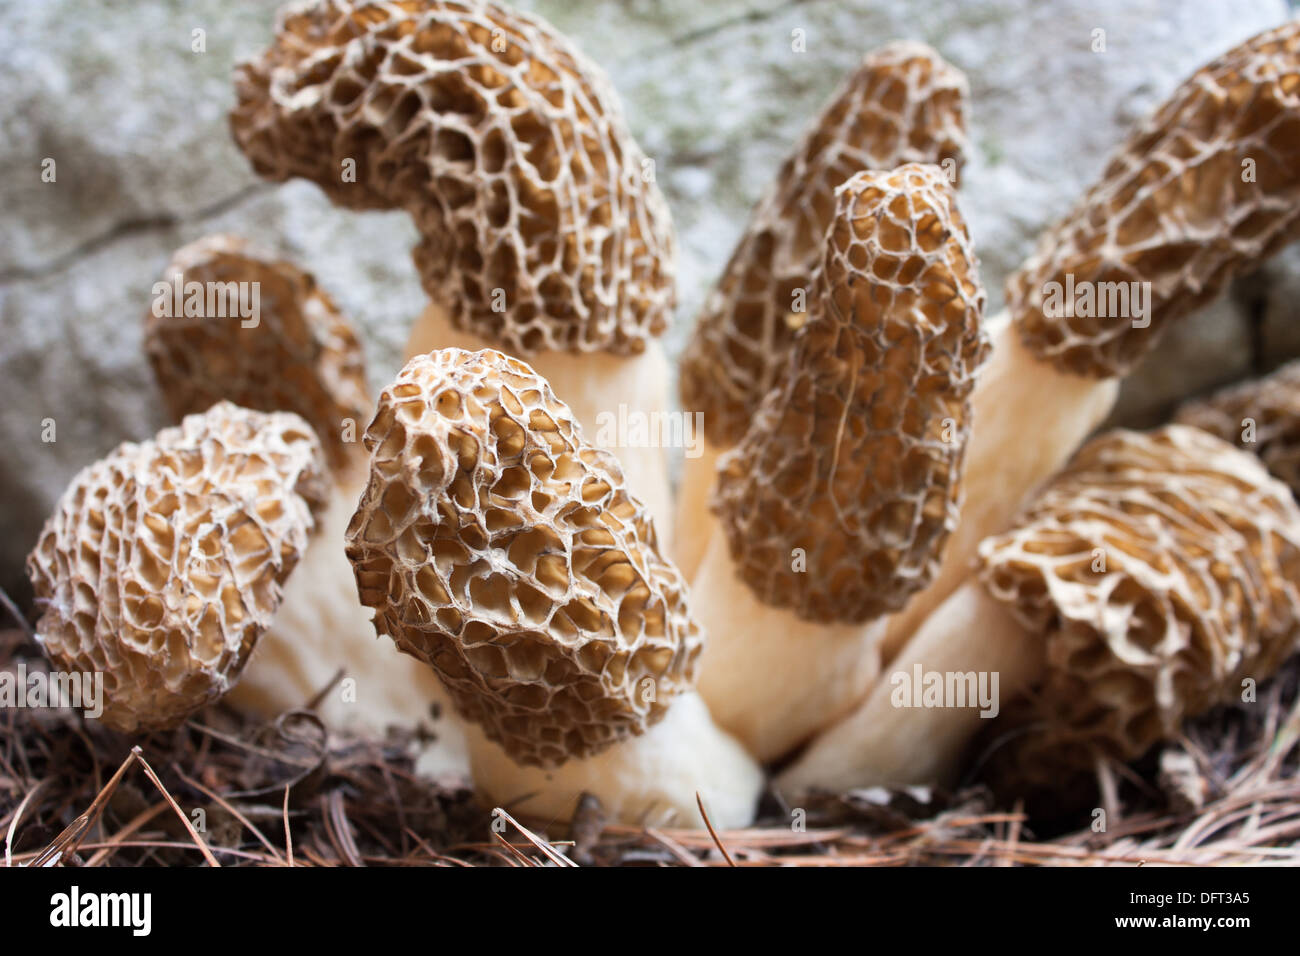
point(1160, 569)
point(904, 104)
point(301, 354)
point(1202, 190)
point(506, 145)
point(1272, 404)
point(856, 456)
point(500, 547)
point(165, 561)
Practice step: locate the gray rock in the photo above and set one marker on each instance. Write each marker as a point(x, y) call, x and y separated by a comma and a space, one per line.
point(714, 91)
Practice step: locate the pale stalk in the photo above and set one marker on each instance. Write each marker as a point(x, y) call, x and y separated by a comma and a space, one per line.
point(769, 677)
point(885, 743)
point(648, 780)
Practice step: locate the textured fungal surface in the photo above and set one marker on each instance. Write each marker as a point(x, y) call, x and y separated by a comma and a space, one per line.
point(298, 353)
point(904, 104)
point(1161, 569)
point(839, 499)
point(1205, 188)
point(541, 226)
point(1261, 416)
point(164, 562)
point(500, 547)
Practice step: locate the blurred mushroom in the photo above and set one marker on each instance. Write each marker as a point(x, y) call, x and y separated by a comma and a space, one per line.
point(542, 229)
point(1139, 589)
point(1205, 188)
point(904, 104)
point(1261, 416)
point(298, 353)
point(502, 549)
point(165, 561)
point(836, 504)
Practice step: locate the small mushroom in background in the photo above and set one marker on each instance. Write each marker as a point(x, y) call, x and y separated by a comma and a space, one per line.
point(1206, 188)
point(501, 548)
point(542, 230)
point(904, 104)
point(1260, 416)
point(165, 561)
point(835, 506)
point(1140, 588)
point(300, 354)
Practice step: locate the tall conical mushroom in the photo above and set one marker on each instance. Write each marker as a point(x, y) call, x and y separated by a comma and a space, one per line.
point(298, 353)
point(1144, 583)
point(165, 561)
point(904, 104)
point(501, 548)
point(542, 229)
point(1206, 187)
point(836, 504)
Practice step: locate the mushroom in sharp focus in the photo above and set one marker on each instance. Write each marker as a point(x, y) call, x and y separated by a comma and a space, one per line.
point(1139, 589)
point(1261, 416)
point(502, 549)
point(904, 104)
point(835, 505)
point(1205, 188)
point(165, 561)
point(298, 353)
point(542, 229)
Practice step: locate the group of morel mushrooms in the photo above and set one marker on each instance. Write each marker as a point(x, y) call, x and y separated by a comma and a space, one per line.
point(893, 483)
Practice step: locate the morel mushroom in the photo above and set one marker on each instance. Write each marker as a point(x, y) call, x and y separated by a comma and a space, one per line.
point(298, 353)
point(542, 230)
point(165, 561)
point(904, 104)
point(837, 502)
point(1206, 187)
point(501, 548)
point(1262, 416)
point(1140, 588)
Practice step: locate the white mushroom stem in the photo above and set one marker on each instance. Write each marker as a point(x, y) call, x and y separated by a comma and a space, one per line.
point(621, 402)
point(649, 780)
point(695, 523)
point(768, 676)
point(1028, 419)
point(322, 630)
point(896, 737)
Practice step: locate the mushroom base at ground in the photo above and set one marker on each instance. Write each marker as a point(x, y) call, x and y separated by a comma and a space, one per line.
point(911, 729)
point(769, 677)
point(322, 631)
point(695, 521)
point(647, 780)
point(1028, 420)
point(620, 401)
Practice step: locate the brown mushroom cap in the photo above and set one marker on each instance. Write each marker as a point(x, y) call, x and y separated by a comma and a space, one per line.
point(164, 562)
point(505, 144)
point(904, 104)
point(1205, 188)
point(302, 354)
point(1161, 569)
point(501, 548)
point(856, 456)
point(1272, 404)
